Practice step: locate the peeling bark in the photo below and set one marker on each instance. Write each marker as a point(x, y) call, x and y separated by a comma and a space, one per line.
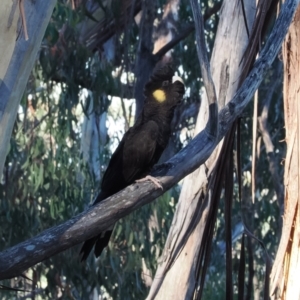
point(286, 270)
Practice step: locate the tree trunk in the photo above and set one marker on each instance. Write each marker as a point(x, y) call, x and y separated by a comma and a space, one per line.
point(178, 266)
point(286, 269)
point(18, 54)
point(93, 138)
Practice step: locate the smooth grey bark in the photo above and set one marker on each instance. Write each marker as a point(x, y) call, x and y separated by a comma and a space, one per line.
point(17, 58)
point(17, 259)
point(93, 138)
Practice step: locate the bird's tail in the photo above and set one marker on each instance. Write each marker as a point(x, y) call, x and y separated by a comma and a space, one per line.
point(99, 241)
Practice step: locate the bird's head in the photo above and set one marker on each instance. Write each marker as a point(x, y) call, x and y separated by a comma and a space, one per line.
point(164, 89)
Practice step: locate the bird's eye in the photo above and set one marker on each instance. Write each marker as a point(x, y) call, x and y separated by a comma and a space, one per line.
point(165, 83)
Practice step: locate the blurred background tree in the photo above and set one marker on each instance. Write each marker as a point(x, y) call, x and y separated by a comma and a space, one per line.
point(84, 91)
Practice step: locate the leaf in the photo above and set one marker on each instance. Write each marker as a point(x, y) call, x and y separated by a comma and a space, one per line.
point(118, 231)
point(52, 210)
point(130, 239)
point(39, 178)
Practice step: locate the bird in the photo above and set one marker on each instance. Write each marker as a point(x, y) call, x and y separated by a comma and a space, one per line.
point(141, 146)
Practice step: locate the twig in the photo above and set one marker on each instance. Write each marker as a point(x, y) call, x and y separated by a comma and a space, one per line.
point(23, 16)
point(254, 145)
point(185, 32)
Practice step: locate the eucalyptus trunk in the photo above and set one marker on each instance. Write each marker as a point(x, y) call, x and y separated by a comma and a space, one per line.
point(286, 269)
point(178, 265)
point(22, 27)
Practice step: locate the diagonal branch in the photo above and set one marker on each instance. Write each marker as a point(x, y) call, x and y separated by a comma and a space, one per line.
point(185, 32)
point(17, 259)
point(212, 125)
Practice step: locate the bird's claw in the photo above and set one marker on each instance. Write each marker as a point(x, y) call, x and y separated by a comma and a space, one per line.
point(156, 182)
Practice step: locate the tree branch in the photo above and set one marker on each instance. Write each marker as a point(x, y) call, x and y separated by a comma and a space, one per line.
point(86, 82)
point(17, 259)
point(185, 32)
point(212, 124)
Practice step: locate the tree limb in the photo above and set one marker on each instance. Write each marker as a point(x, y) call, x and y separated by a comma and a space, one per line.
point(17, 259)
point(212, 124)
point(185, 32)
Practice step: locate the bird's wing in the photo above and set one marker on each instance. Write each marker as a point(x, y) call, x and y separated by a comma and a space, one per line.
point(113, 180)
point(136, 154)
point(141, 151)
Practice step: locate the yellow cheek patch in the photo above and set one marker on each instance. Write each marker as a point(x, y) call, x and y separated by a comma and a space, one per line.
point(159, 95)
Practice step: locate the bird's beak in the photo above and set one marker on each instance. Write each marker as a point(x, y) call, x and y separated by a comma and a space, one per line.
point(177, 78)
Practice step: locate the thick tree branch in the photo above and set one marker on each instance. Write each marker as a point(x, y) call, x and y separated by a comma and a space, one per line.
point(17, 259)
point(212, 125)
